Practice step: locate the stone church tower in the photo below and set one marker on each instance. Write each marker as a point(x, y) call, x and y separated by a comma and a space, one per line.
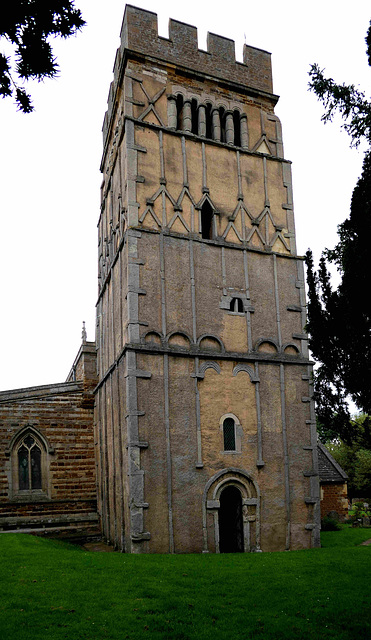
point(204, 426)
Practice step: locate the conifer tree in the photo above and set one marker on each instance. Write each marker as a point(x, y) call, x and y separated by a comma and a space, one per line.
point(27, 25)
point(339, 320)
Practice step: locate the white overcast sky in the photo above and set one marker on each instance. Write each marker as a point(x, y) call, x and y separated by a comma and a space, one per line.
point(50, 160)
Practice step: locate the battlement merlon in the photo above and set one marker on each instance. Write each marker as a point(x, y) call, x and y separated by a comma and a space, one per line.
point(139, 33)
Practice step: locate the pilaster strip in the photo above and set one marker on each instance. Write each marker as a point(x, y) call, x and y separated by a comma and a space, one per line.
point(199, 462)
point(128, 92)
point(184, 156)
point(247, 311)
point(131, 174)
point(266, 197)
point(193, 291)
point(286, 458)
point(113, 450)
point(162, 178)
point(102, 502)
point(135, 473)
point(106, 468)
point(204, 172)
point(120, 401)
point(224, 273)
point(277, 300)
point(121, 301)
point(132, 290)
point(168, 453)
point(260, 461)
point(163, 289)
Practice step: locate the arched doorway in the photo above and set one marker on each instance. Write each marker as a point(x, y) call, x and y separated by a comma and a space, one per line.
point(231, 538)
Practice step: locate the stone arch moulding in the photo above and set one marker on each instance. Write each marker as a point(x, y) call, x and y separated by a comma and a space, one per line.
point(28, 428)
point(179, 339)
point(250, 495)
point(291, 345)
point(152, 337)
point(270, 341)
point(208, 365)
point(211, 337)
point(249, 370)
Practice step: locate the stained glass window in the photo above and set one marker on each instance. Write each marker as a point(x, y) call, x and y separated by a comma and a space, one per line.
point(29, 464)
point(24, 481)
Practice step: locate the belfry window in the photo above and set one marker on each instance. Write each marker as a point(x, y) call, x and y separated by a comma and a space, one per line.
point(209, 121)
point(236, 305)
point(222, 116)
point(179, 111)
point(237, 128)
point(229, 434)
point(194, 112)
point(207, 221)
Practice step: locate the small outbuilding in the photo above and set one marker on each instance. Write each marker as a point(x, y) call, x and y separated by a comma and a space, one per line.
point(333, 484)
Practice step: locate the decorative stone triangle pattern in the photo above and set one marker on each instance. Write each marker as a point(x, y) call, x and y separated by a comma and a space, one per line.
point(164, 211)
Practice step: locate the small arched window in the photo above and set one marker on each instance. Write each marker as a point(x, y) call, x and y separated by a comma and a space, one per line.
point(207, 221)
point(229, 434)
point(236, 305)
point(194, 115)
point(222, 124)
point(209, 121)
point(179, 111)
point(237, 128)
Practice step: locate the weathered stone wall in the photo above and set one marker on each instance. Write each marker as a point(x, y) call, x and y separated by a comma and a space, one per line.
point(191, 328)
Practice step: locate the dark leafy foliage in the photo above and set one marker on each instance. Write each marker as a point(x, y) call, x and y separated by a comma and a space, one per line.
point(352, 104)
point(339, 320)
point(27, 25)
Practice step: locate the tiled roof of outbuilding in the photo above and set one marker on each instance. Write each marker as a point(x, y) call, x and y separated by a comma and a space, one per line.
point(329, 469)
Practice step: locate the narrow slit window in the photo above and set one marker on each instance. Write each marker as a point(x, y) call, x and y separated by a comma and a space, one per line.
point(179, 111)
point(207, 221)
point(209, 121)
point(236, 305)
point(222, 124)
point(229, 434)
point(237, 128)
point(194, 115)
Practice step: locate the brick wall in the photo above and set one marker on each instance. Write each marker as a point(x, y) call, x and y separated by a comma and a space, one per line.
point(60, 418)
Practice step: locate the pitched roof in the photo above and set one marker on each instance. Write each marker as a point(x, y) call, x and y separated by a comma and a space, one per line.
point(329, 469)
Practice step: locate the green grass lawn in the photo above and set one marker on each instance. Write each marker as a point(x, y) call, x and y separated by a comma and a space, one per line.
point(51, 590)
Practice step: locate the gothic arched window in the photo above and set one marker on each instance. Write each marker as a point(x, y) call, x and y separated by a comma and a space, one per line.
point(29, 458)
point(29, 464)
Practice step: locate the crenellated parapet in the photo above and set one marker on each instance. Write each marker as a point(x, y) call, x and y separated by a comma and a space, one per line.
point(139, 36)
